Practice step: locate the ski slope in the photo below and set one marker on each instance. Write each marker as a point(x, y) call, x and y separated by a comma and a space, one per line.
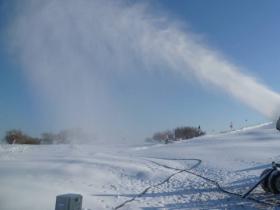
point(107, 176)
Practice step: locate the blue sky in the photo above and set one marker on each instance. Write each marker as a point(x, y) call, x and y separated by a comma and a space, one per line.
point(245, 32)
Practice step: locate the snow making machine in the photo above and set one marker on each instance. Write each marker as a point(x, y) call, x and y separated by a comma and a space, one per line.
point(270, 177)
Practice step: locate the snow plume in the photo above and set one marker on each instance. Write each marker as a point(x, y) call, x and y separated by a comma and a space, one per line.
point(71, 50)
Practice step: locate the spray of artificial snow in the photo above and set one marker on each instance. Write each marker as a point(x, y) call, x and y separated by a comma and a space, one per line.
point(69, 48)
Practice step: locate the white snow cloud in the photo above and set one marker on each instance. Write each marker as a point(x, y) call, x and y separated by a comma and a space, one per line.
point(69, 48)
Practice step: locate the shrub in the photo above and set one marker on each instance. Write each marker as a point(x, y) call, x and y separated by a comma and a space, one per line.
point(180, 133)
point(51, 138)
point(65, 137)
point(48, 138)
point(18, 137)
point(187, 132)
point(163, 136)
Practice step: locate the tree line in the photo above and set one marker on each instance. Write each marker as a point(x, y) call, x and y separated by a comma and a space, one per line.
point(177, 134)
point(77, 135)
point(16, 136)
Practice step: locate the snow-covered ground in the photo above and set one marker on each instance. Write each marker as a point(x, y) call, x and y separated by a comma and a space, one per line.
point(107, 176)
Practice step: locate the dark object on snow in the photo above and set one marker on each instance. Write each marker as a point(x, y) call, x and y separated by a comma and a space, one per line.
point(269, 180)
point(274, 182)
point(69, 202)
point(264, 183)
point(278, 124)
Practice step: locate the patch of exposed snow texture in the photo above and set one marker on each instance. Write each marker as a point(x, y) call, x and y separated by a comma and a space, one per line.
point(107, 176)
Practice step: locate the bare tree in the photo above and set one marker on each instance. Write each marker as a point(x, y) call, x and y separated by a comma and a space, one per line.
point(18, 137)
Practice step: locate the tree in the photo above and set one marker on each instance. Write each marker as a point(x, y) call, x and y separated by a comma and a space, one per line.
point(187, 132)
point(48, 138)
point(163, 136)
point(18, 137)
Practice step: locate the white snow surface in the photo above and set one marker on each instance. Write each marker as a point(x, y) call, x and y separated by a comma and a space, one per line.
point(106, 176)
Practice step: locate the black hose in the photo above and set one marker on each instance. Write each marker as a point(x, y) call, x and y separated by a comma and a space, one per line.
point(160, 183)
point(216, 184)
point(188, 170)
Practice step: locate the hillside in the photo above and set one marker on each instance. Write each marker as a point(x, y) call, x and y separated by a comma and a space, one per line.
point(107, 176)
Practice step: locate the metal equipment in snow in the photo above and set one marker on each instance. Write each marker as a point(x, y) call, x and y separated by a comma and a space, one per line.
point(278, 124)
point(269, 180)
point(69, 202)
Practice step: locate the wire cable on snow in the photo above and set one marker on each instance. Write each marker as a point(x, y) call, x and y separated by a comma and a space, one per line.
point(188, 170)
point(160, 183)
